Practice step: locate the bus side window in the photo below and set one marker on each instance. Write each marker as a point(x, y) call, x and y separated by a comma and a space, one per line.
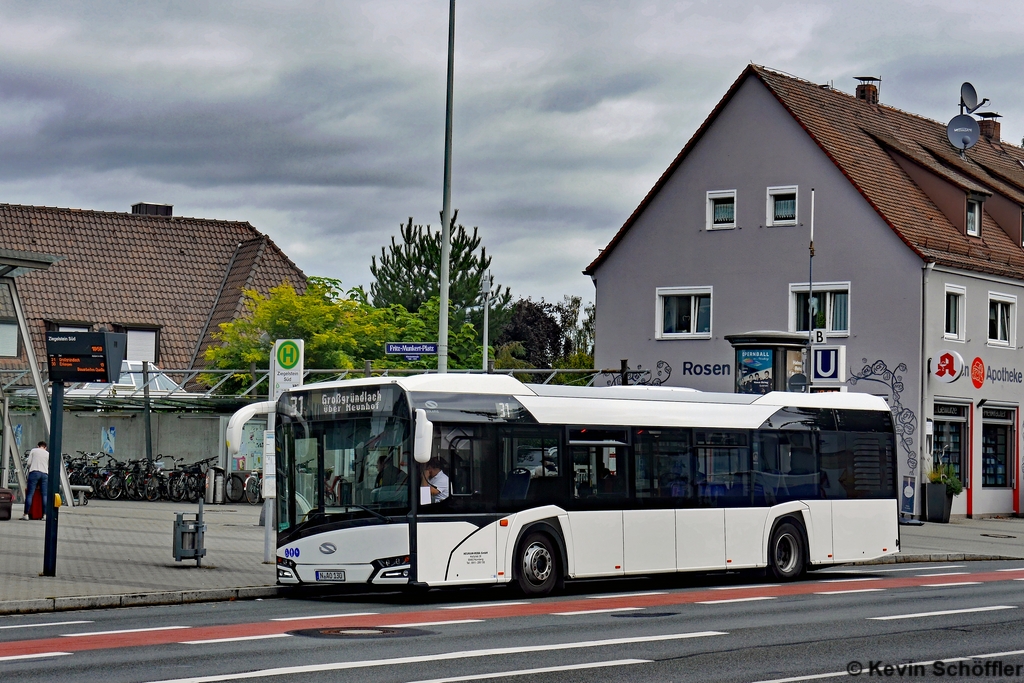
point(530, 467)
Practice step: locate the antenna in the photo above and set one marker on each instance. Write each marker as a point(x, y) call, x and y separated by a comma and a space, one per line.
point(963, 132)
point(969, 99)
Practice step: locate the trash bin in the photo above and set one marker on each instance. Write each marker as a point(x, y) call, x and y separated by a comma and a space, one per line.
point(6, 503)
point(188, 543)
point(218, 485)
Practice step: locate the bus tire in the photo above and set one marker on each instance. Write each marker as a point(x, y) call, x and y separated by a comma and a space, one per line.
point(537, 564)
point(787, 555)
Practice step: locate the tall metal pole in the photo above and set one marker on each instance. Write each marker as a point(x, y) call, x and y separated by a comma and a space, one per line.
point(147, 412)
point(485, 285)
point(53, 483)
point(446, 206)
point(810, 304)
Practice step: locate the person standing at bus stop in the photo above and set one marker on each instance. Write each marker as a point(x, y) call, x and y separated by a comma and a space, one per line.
point(38, 469)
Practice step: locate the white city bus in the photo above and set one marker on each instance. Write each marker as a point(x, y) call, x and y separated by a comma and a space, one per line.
point(553, 483)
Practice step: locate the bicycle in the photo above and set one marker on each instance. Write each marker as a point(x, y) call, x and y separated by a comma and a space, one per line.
point(254, 488)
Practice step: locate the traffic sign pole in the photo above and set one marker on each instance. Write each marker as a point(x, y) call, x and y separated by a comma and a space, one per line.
point(53, 482)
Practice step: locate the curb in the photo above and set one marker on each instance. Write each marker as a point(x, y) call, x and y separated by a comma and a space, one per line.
point(62, 604)
point(934, 557)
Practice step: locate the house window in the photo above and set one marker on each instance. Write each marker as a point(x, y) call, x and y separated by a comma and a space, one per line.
point(781, 206)
point(1001, 319)
point(72, 328)
point(973, 218)
point(8, 339)
point(955, 301)
point(831, 307)
point(721, 210)
point(142, 345)
point(684, 313)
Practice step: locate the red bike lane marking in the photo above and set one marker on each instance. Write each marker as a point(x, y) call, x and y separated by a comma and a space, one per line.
point(546, 607)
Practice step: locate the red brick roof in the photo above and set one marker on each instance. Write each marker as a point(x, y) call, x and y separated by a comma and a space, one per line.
point(122, 269)
point(858, 137)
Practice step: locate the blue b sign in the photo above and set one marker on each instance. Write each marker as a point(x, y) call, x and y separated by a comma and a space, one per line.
point(410, 348)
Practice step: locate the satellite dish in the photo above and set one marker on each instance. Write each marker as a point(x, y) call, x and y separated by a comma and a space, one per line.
point(963, 132)
point(968, 97)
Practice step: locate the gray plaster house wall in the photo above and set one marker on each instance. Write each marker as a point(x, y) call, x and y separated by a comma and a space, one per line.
point(894, 247)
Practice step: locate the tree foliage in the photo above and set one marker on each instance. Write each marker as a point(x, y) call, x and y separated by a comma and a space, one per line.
point(341, 330)
point(407, 274)
point(546, 335)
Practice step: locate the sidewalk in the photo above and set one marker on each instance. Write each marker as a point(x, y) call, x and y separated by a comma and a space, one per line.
point(120, 553)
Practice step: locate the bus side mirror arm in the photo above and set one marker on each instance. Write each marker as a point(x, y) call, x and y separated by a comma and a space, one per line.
point(234, 430)
point(423, 437)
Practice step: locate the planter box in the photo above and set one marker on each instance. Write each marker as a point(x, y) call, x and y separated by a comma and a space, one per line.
point(938, 503)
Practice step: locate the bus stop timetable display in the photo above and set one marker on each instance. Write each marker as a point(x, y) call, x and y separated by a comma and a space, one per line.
point(85, 356)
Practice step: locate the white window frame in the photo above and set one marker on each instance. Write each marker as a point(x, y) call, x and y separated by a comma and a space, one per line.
point(10, 334)
point(820, 287)
point(961, 293)
point(977, 228)
point(1011, 333)
point(770, 205)
point(710, 209)
point(659, 320)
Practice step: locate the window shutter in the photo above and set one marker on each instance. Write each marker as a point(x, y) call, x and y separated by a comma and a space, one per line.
point(141, 345)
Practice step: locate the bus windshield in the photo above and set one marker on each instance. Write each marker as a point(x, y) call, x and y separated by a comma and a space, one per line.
point(347, 468)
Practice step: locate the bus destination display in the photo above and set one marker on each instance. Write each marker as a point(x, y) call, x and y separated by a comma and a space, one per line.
point(85, 356)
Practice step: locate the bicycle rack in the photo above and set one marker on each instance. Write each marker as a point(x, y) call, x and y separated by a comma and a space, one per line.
point(188, 536)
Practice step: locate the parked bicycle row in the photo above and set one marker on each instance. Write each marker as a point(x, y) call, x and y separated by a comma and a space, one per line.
point(140, 479)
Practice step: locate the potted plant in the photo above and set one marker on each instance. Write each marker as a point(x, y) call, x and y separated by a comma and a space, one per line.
point(942, 485)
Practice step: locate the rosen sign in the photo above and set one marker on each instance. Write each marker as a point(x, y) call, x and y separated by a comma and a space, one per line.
point(947, 366)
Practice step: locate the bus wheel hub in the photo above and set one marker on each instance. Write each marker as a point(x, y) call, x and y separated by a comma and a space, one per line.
point(537, 563)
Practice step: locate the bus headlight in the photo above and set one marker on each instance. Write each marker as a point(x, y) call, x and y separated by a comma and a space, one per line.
point(391, 562)
point(396, 574)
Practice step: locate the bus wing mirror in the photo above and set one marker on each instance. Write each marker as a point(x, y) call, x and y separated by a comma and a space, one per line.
point(234, 430)
point(423, 438)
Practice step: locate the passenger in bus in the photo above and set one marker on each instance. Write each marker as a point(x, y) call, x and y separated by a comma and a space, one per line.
point(433, 475)
point(607, 482)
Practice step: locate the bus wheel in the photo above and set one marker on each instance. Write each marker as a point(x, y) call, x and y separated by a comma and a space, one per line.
point(538, 568)
point(786, 555)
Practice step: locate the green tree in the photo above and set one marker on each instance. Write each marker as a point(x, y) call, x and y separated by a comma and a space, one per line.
point(341, 330)
point(408, 274)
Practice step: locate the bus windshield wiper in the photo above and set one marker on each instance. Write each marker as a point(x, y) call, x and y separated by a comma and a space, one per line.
point(387, 520)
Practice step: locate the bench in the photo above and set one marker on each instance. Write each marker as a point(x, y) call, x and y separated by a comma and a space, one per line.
point(80, 490)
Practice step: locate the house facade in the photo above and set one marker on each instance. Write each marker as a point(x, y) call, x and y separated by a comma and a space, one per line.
point(166, 281)
point(917, 269)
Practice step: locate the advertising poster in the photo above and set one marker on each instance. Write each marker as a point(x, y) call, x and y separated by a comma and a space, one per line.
point(754, 370)
point(107, 435)
point(907, 495)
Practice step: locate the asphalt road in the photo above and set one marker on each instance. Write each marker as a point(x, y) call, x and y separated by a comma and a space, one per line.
point(710, 628)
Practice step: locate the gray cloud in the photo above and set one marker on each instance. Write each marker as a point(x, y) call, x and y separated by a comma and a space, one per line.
point(322, 124)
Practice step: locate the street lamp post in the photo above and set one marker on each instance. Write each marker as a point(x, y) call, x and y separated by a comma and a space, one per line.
point(446, 206)
point(485, 289)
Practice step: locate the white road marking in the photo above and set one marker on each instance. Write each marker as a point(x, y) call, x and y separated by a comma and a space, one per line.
point(543, 670)
point(625, 595)
point(1012, 569)
point(126, 630)
point(905, 569)
point(837, 674)
point(951, 583)
point(855, 590)
point(720, 602)
point(432, 623)
point(943, 574)
point(943, 612)
point(485, 604)
point(440, 656)
point(49, 623)
point(235, 640)
point(327, 616)
point(870, 578)
point(757, 585)
point(597, 611)
point(12, 658)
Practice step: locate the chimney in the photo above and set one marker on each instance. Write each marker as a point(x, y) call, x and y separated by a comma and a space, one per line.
point(150, 209)
point(868, 88)
point(989, 125)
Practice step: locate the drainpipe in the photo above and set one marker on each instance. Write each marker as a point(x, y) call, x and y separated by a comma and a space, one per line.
point(925, 272)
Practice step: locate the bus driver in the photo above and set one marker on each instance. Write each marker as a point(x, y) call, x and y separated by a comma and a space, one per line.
point(436, 479)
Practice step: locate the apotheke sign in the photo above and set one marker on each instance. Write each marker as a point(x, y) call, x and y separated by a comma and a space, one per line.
point(947, 366)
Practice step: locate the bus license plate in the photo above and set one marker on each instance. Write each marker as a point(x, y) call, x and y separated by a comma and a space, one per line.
point(333, 575)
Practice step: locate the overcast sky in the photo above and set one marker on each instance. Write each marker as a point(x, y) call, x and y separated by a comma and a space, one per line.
point(322, 123)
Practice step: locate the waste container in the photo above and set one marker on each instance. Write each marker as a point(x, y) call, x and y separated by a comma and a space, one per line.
point(6, 503)
point(218, 485)
point(189, 536)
